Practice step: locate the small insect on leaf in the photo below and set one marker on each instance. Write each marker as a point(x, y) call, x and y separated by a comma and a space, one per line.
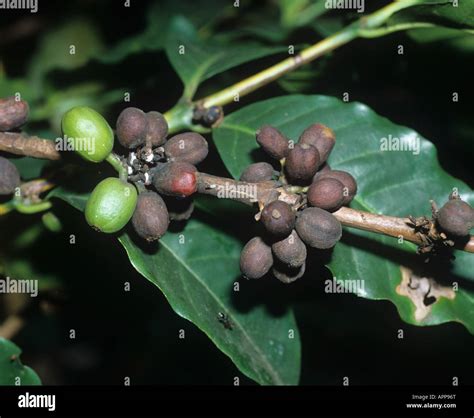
point(224, 320)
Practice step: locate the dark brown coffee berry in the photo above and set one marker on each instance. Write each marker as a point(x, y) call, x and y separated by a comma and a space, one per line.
point(290, 251)
point(257, 172)
point(327, 194)
point(321, 137)
point(256, 259)
point(157, 129)
point(273, 142)
point(9, 177)
point(321, 170)
point(288, 274)
point(318, 228)
point(278, 218)
point(131, 127)
point(456, 218)
point(350, 185)
point(175, 179)
point(302, 163)
point(150, 219)
point(189, 147)
point(13, 113)
point(179, 209)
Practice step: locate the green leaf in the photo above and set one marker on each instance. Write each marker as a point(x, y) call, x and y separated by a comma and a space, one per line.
point(455, 38)
point(196, 61)
point(398, 183)
point(197, 276)
point(12, 371)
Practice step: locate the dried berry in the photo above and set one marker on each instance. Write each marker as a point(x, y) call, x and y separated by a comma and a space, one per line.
point(131, 127)
point(278, 218)
point(179, 209)
point(326, 193)
point(291, 251)
point(111, 205)
point(456, 218)
point(321, 170)
point(302, 163)
point(150, 219)
point(288, 274)
point(13, 113)
point(257, 172)
point(88, 132)
point(350, 185)
point(189, 147)
point(256, 259)
point(9, 177)
point(175, 179)
point(273, 142)
point(318, 228)
point(157, 129)
point(321, 137)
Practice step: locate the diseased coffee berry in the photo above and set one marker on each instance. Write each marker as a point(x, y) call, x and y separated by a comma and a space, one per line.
point(318, 228)
point(175, 179)
point(157, 129)
point(278, 218)
point(13, 113)
point(256, 259)
point(273, 142)
point(9, 177)
point(189, 147)
point(257, 172)
point(132, 127)
point(288, 274)
point(321, 137)
point(290, 251)
point(302, 163)
point(321, 170)
point(350, 185)
point(111, 205)
point(88, 132)
point(326, 193)
point(150, 219)
point(456, 218)
point(179, 209)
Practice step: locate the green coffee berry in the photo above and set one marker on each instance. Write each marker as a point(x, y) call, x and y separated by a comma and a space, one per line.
point(318, 228)
point(290, 251)
point(189, 147)
point(150, 219)
point(288, 274)
point(157, 129)
point(257, 172)
point(256, 259)
point(111, 205)
point(13, 113)
point(9, 177)
point(273, 142)
point(175, 178)
point(132, 127)
point(321, 137)
point(456, 218)
point(326, 193)
point(278, 218)
point(302, 163)
point(349, 182)
point(88, 132)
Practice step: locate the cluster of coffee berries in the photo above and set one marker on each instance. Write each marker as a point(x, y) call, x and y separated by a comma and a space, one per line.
point(13, 114)
point(456, 217)
point(153, 162)
point(289, 229)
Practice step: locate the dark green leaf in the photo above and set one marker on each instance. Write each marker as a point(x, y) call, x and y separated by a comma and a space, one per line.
point(396, 183)
point(12, 371)
point(195, 60)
